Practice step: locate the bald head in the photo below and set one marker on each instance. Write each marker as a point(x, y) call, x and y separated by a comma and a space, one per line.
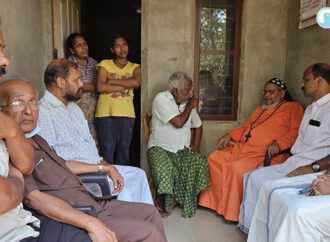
point(316, 81)
point(20, 101)
point(8, 87)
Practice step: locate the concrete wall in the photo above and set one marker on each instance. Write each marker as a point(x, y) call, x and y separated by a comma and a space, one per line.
point(168, 29)
point(305, 47)
point(27, 31)
point(263, 52)
point(271, 46)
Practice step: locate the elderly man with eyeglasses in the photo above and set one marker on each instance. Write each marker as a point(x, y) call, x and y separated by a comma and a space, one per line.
point(275, 185)
point(52, 189)
point(16, 160)
point(270, 129)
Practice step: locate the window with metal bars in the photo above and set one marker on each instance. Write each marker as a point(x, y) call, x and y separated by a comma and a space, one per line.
point(217, 53)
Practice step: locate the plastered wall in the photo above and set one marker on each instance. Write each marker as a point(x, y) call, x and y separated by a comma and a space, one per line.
point(168, 29)
point(305, 47)
point(271, 45)
point(263, 54)
point(26, 27)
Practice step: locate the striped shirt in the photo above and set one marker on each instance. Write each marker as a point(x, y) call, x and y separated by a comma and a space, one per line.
point(87, 71)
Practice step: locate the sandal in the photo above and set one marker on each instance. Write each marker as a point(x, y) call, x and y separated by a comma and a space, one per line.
point(160, 205)
point(165, 214)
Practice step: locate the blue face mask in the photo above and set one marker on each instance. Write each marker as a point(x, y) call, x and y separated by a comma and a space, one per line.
point(33, 132)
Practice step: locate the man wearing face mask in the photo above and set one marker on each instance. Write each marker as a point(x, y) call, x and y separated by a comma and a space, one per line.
point(18, 224)
point(179, 171)
point(16, 149)
point(52, 189)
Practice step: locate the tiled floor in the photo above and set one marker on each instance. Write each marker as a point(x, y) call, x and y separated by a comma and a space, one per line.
point(205, 226)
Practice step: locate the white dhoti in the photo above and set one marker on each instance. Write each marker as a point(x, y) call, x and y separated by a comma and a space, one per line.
point(283, 215)
point(254, 180)
point(312, 144)
point(136, 188)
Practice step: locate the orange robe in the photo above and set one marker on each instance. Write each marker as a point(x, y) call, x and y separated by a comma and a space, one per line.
point(228, 166)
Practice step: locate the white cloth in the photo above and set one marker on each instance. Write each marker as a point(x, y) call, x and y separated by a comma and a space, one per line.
point(66, 131)
point(163, 133)
point(4, 159)
point(136, 185)
point(13, 223)
point(313, 143)
point(284, 215)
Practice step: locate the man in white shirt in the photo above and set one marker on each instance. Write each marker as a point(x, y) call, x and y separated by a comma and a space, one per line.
point(64, 127)
point(311, 146)
point(180, 173)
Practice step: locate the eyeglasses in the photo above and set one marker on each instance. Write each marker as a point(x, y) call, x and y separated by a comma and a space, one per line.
point(18, 106)
point(271, 92)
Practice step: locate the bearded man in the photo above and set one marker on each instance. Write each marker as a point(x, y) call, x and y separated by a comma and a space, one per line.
point(309, 155)
point(64, 127)
point(271, 128)
point(53, 188)
point(16, 160)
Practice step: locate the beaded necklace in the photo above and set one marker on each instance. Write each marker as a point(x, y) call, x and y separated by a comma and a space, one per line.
point(248, 135)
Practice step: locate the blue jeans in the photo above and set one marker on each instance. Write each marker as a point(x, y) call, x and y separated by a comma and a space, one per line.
point(115, 136)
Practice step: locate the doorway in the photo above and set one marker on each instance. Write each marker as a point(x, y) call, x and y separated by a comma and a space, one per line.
point(99, 20)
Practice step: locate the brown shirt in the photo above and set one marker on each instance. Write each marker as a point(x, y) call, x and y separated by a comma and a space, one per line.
point(53, 177)
point(130, 221)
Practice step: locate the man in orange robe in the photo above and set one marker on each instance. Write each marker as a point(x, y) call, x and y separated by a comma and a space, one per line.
point(271, 128)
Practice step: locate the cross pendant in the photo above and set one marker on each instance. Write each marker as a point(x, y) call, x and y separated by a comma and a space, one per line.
point(247, 136)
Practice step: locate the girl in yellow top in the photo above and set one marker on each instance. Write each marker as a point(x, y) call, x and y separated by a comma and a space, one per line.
point(115, 116)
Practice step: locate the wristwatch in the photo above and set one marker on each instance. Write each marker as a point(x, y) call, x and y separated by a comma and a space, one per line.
point(100, 169)
point(316, 167)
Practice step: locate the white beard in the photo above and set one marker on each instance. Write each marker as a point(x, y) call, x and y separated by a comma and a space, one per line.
point(270, 106)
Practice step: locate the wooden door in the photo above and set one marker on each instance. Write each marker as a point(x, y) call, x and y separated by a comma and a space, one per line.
point(66, 20)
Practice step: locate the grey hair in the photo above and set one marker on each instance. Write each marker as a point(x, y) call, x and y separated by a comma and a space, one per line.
point(16, 78)
point(176, 80)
